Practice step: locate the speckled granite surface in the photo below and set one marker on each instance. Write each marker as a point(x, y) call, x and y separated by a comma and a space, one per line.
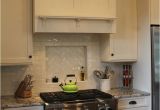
point(11, 102)
point(127, 93)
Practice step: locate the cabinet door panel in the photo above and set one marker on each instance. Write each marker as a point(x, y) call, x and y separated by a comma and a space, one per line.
point(124, 49)
point(54, 7)
point(96, 8)
point(123, 44)
point(155, 11)
point(125, 40)
point(15, 31)
point(26, 108)
point(138, 108)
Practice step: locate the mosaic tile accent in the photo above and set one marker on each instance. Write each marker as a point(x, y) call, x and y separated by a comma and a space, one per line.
point(63, 60)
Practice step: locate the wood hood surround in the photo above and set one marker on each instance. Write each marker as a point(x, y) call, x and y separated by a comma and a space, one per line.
point(74, 16)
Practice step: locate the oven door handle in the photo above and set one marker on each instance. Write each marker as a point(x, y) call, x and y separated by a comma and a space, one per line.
point(80, 104)
point(67, 105)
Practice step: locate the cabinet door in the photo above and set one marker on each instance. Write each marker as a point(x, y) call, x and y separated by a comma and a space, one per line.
point(134, 103)
point(123, 44)
point(26, 108)
point(123, 49)
point(155, 11)
point(16, 39)
point(96, 8)
point(54, 7)
point(138, 108)
point(125, 40)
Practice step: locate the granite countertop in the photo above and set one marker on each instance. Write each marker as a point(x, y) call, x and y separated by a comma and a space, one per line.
point(127, 93)
point(12, 102)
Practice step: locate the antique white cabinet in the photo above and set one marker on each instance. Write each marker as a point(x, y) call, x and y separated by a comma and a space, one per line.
point(16, 32)
point(26, 108)
point(122, 46)
point(74, 16)
point(134, 103)
point(54, 7)
point(155, 11)
point(83, 8)
point(96, 8)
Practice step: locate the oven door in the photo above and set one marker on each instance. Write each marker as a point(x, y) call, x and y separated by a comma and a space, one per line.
point(84, 105)
point(81, 106)
point(92, 105)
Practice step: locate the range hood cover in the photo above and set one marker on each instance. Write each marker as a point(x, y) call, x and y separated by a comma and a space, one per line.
point(70, 24)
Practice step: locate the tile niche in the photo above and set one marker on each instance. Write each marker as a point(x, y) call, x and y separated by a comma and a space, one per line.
point(64, 60)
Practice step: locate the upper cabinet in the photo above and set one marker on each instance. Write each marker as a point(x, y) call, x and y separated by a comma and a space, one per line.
point(155, 11)
point(16, 32)
point(78, 8)
point(74, 16)
point(96, 8)
point(122, 46)
point(54, 7)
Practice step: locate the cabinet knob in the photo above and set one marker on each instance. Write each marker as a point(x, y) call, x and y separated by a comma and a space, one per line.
point(30, 56)
point(132, 102)
point(112, 54)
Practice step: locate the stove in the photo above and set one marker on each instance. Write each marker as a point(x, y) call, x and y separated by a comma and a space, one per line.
point(91, 99)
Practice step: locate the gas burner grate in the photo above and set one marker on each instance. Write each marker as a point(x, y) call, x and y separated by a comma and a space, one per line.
point(91, 94)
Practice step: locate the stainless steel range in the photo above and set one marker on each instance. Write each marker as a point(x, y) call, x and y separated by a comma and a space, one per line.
point(91, 99)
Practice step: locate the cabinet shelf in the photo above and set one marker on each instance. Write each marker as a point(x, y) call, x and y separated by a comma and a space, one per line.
point(76, 18)
point(74, 24)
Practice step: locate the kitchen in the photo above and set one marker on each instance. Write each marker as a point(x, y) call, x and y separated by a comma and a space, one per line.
point(50, 38)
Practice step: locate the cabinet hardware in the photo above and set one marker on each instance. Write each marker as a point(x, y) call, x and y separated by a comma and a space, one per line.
point(112, 54)
point(132, 102)
point(30, 56)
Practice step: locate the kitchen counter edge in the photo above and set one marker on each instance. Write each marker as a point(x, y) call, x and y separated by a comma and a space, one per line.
point(127, 93)
point(12, 102)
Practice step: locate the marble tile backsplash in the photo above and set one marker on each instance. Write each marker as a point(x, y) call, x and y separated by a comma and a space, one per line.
point(12, 75)
point(64, 60)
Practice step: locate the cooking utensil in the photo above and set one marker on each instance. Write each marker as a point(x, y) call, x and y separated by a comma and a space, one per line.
point(100, 74)
point(69, 87)
point(104, 75)
point(24, 89)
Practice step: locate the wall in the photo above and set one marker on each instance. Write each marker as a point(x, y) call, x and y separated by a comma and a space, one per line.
point(11, 76)
point(142, 68)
